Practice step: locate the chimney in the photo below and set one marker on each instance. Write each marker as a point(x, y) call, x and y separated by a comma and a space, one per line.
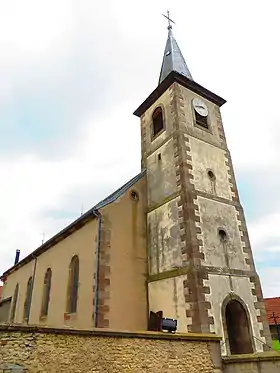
point(17, 257)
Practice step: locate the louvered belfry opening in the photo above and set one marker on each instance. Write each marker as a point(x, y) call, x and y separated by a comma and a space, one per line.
point(157, 118)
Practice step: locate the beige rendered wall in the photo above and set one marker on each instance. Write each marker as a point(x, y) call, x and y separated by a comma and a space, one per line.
point(125, 299)
point(81, 243)
point(74, 351)
point(5, 310)
point(125, 290)
point(167, 295)
point(20, 277)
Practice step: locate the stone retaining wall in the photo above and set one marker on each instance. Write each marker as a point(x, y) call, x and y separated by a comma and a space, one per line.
point(32, 349)
point(266, 362)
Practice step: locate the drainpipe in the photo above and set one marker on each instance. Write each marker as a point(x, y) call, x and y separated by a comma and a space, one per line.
point(97, 260)
point(32, 287)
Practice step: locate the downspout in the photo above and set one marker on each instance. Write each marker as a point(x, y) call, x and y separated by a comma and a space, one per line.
point(32, 287)
point(97, 260)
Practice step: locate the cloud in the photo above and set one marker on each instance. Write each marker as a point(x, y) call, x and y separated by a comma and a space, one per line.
point(54, 190)
point(72, 72)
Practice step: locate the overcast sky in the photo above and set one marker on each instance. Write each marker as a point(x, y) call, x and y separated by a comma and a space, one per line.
point(73, 71)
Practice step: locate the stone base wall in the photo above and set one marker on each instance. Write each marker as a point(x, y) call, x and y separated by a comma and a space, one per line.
point(32, 349)
point(267, 362)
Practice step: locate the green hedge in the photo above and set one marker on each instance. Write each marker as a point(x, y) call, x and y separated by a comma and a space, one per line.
point(276, 345)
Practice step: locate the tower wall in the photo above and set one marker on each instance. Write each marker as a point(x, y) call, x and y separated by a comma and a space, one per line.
point(192, 271)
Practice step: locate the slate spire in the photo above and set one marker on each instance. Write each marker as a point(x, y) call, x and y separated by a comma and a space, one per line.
point(173, 59)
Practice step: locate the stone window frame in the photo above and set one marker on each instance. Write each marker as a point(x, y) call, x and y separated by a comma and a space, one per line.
point(46, 294)
point(73, 286)
point(230, 297)
point(153, 137)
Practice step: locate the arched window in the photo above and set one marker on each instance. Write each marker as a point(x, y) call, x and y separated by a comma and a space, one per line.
point(157, 118)
point(73, 285)
point(46, 293)
point(238, 328)
point(27, 303)
point(14, 305)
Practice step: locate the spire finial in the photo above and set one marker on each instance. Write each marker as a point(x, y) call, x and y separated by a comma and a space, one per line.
point(167, 16)
point(173, 60)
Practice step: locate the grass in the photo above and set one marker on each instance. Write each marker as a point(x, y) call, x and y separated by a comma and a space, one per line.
point(276, 345)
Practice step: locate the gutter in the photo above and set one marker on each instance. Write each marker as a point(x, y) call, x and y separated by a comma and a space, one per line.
point(97, 260)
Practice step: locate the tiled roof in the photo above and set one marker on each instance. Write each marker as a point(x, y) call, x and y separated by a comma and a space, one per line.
point(272, 305)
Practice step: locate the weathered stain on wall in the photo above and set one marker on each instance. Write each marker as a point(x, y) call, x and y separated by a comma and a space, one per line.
point(161, 175)
point(207, 157)
point(150, 144)
point(164, 238)
point(215, 216)
point(112, 352)
point(168, 296)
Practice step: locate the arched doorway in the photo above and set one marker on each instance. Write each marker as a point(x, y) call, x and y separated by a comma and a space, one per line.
point(238, 329)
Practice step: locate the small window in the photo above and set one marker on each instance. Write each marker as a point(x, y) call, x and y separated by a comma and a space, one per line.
point(28, 296)
point(212, 179)
point(46, 293)
point(201, 120)
point(73, 285)
point(211, 175)
point(157, 121)
point(222, 235)
point(134, 195)
point(14, 305)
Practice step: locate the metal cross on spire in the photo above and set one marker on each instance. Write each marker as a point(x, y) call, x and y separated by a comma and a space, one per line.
point(167, 16)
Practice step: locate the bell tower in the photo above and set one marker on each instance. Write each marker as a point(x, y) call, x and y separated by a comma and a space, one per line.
point(201, 270)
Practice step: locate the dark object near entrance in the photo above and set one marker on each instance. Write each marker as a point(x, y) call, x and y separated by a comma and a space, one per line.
point(158, 323)
point(155, 321)
point(170, 325)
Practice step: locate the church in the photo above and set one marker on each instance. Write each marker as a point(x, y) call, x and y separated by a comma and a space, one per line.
point(172, 241)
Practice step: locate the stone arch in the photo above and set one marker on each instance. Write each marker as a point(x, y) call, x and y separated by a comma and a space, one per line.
point(237, 326)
